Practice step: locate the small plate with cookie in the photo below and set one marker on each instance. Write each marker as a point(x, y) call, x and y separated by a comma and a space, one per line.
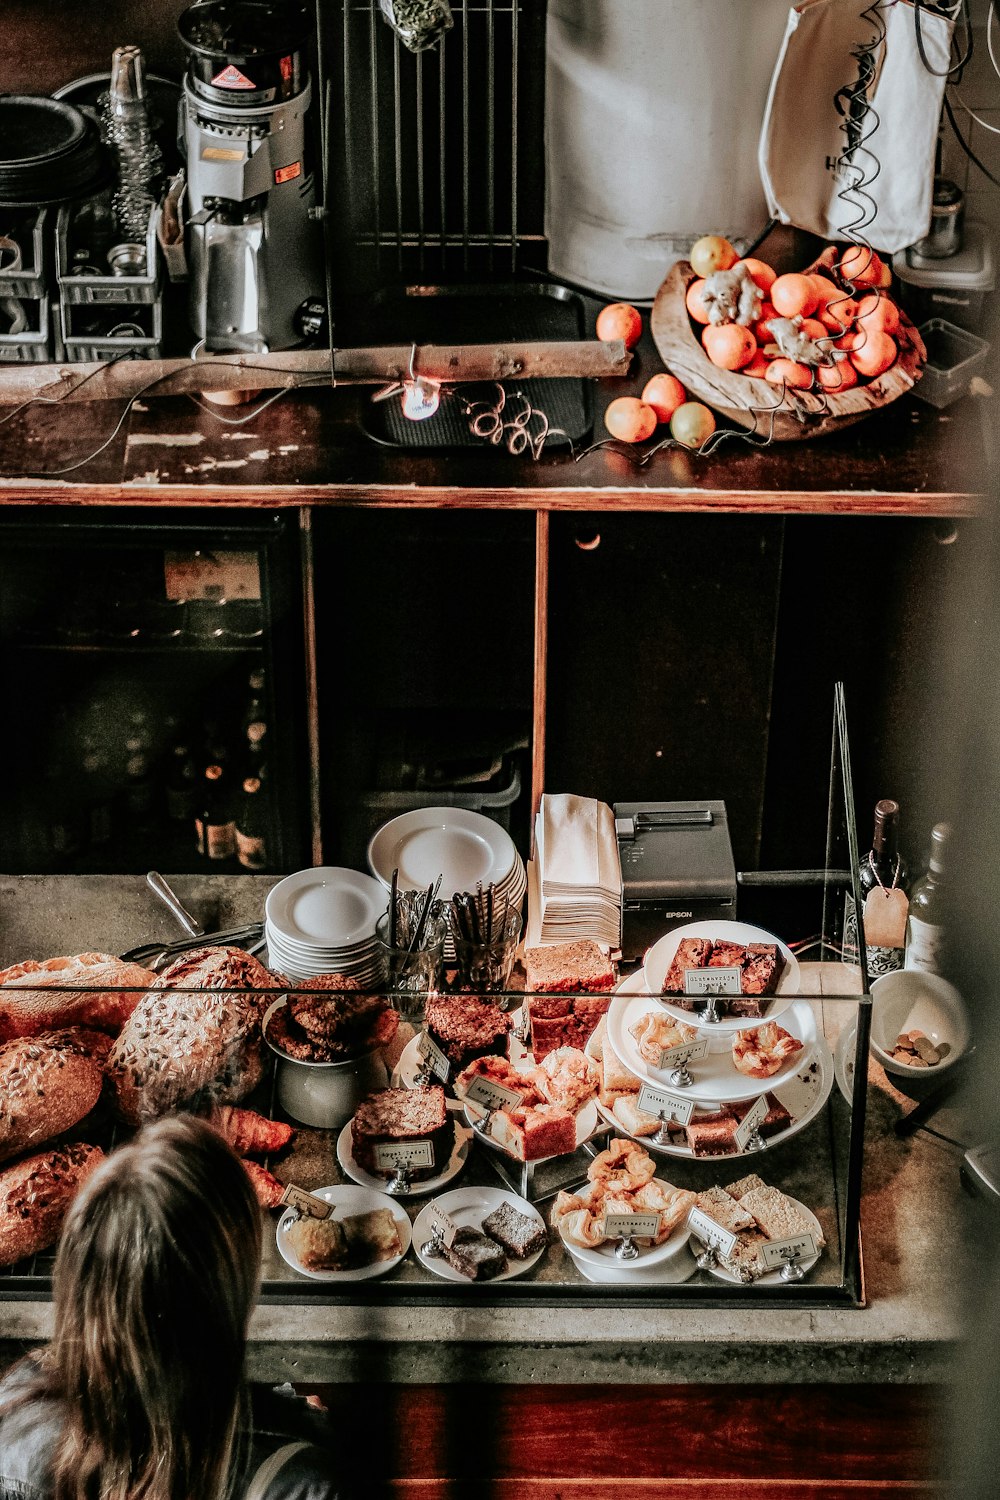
point(500, 1235)
point(366, 1235)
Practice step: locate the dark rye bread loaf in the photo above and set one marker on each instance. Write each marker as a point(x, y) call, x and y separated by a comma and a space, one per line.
point(47, 1084)
point(35, 1194)
point(184, 1042)
point(109, 991)
point(396, 1116)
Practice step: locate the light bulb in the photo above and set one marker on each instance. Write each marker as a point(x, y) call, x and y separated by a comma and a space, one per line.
point(421, 399)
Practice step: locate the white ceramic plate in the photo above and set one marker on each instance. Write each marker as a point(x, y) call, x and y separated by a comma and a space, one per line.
point(469, 1207)
point(661, 956)
point(773, 1278)
point(586, 1124)
point(327, 907)
point(669, 1273)
point(408, 1068)
point(715, 1078)
point(843, 1059)
point(461, 846)
point(348, 1201)
point(603, 1257)
point(455, 1163)
point(803, 1096)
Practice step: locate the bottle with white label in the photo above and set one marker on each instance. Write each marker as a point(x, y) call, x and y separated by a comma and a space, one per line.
point(884, 881)
point(925, 930)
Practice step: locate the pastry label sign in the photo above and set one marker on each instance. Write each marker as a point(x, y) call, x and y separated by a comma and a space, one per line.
point(630, 1226)
point(684, 1053)
point(710, 1233)
point(721, 981)
point(656, 1102)
point(492, 1095)
point(750, 1122)
point(389, 1158)
point(306, 1203)
point(442, 1225)
point(435, 1059)
point(776, 1253)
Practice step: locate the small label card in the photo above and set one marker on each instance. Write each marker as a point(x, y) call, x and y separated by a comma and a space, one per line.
point(492, 1095)
point(656, 1102)
point(776, 1253)
point(755, 1116)
point(630, 1226)
point(306, 1203)
point(431, 1053)
point(713, 981)
point(443, 1226)
point(684, 1053)
point(710, 1233)
point(407, 1154)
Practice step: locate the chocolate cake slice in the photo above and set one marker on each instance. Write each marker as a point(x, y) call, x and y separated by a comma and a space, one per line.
point(514, 1232)
point(474, 1255)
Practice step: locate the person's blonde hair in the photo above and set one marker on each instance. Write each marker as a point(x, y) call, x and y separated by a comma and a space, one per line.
point(155, 1279)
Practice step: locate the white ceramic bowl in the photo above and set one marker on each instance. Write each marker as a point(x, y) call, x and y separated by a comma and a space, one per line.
point(324, 1094)
point(909, 1000)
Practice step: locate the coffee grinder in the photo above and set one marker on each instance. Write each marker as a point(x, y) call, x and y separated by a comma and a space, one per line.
point(254, 245)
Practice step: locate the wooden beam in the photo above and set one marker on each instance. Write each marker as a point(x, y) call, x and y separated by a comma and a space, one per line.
point(126, 379)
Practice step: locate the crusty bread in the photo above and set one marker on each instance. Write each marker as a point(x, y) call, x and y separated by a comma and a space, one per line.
point(179, 1047)
point(35, 1194)
point(30, 1002)
point(47, 1084)
point(568, 967)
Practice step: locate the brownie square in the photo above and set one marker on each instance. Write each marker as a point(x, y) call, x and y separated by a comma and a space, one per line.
point(475, 1255)
point(692, 953)
point(514, 1232)
point(763, 969)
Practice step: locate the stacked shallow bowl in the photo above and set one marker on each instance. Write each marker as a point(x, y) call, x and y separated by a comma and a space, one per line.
point(322, 921)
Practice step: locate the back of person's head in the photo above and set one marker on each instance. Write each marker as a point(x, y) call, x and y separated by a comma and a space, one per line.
point(155, 1279)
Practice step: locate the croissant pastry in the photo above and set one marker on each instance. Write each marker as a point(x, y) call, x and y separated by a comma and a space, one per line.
point(761, 1052)
point(656, 1030)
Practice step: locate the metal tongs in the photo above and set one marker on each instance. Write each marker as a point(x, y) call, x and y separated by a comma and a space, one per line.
point(155, 955)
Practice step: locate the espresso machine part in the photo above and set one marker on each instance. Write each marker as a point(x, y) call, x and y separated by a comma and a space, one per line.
point(253, 239)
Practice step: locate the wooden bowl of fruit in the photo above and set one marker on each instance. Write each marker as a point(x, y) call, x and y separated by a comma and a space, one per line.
point(789, 357)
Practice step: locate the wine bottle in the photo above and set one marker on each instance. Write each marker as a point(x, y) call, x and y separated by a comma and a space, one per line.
point(251, 826)
point(884, 882)
point(214, 824)
point(925, 930)
point(181, 784)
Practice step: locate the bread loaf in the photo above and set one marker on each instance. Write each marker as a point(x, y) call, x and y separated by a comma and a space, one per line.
point(47, 1084)
point(30, 1001)
point(35, 1194)
point(179, 1047)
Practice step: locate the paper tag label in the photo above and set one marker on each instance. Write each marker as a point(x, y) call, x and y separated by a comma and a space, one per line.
point(289, 173)
point(632, 1226)
point(443, 1226)
point(756, 1116)
point(306, 1203)
point(431, 1053)
point(885, 917)
point(405, 1154)
point(711, 1233)
point(713, 981)
point(232, 78)
point(777, 1252)
point(685, 1052)
point(492, 1095)
point(656, 1102)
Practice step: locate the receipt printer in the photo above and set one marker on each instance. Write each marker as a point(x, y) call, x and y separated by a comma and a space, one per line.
point(677, 867)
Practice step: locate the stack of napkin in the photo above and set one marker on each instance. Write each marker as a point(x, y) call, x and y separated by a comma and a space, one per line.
point(575, 879)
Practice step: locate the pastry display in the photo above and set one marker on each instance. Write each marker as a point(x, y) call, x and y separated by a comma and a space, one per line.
point(465, 1028)
point(331, 1022)
point(567, 1077)
point(764, 1051)
point(760, 966)
point(621, 1179)
point(756, 1214)
point(656, 1031)
point(399, 1115)
point(516, 1234)
point(343, 1244)
point(35, 1194)
point(31, 1004)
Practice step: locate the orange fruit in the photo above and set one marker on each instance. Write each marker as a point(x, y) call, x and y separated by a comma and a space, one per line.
point(872, 352)
point(835, 309)
point(630, 419)
point(794, 293)
point(878, 312)
point(712, 253)
point(729, 345)
point(762, 328)
point(813, 329)
point(757, 366)
point(790, 373)
point(837, 377)
point(763, 274)
point(695, 305)
point(664, 393)
point(620, 320)
point(692, 424)
point(860, 267)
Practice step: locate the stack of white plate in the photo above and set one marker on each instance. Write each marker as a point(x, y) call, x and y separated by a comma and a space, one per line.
point(322, 921)
point(465, 848)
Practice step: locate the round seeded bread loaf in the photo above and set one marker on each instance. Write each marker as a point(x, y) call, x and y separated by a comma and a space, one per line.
point(29, 1002)
point(47, 1084)
point(35, 1194)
